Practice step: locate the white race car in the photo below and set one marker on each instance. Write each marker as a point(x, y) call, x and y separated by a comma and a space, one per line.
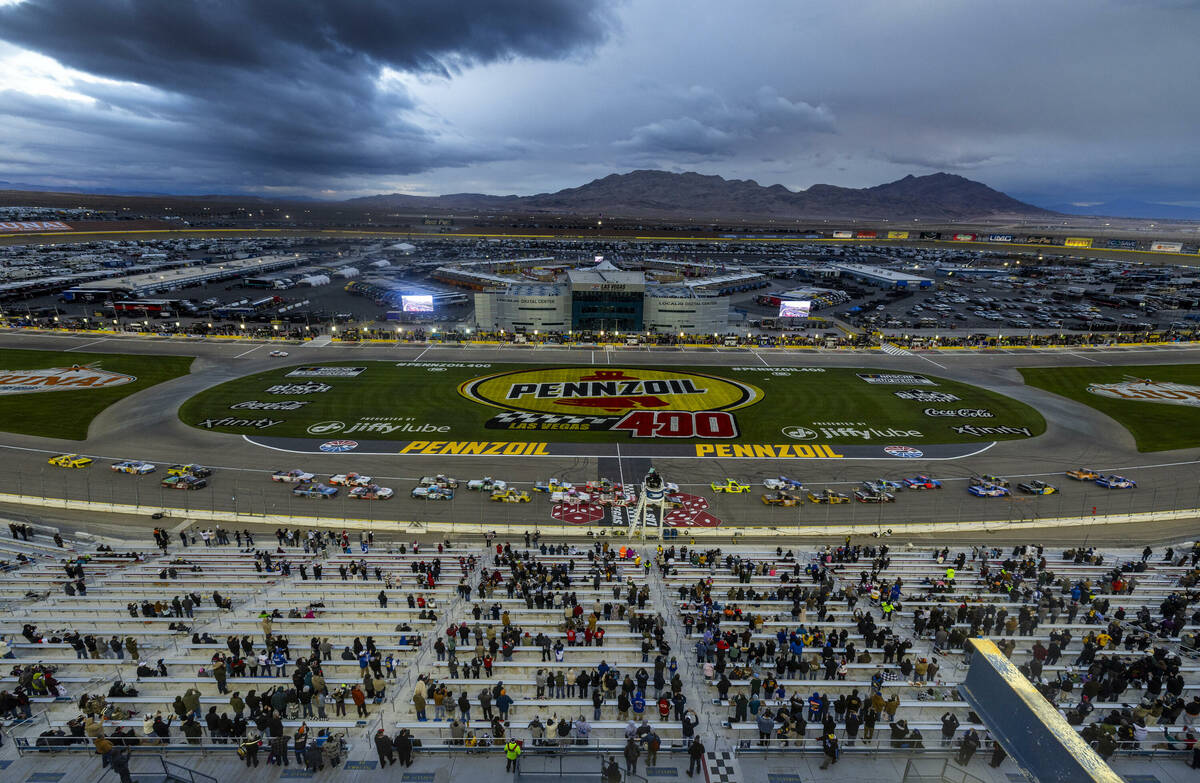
point(279, 354)
point(440, 480)
point(292, 476)
point(135, 466)
point(350, 480)
point(486, 484)
point(570, 496)
point(783, 482)
point(371, 492)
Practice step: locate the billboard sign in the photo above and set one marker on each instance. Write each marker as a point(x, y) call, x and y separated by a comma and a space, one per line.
point(843, 235)
point(1078, 242)
point(33, 225)
point(1000, 237)
point(416, 303)
point(964, 237)
point(794, 308)
point(1166, 247)
point(1123, 244)
point(866, 234)
point(931, 235)
point(1039, 240)
point(897, 235)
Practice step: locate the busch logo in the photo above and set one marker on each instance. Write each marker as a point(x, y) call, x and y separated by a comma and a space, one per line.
point(921, 395)
point(311, 387)
point(960, 413)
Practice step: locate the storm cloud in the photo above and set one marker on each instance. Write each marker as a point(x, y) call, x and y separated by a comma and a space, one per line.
point(1066, 100)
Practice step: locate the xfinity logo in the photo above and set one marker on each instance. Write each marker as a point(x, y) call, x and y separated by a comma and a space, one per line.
point(261, 424)
point(960, 413)
point(971, 429)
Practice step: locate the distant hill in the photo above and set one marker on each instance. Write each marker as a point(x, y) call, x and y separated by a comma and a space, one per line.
point(660, 193)
point(1131, 208)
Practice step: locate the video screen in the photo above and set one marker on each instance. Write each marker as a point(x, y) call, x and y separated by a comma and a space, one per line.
point(794, 308)
point(417, 303)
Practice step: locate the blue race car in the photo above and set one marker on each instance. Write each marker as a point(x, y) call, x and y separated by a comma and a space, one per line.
point(922, 482)
point(321, 491)
point(1116, 482)
point(989, 490)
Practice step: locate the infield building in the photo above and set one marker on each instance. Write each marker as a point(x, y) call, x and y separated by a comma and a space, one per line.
point(606, 298)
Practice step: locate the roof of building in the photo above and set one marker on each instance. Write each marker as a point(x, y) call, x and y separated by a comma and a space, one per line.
point(879, 273)
point(670, 291)
point(605, 272)
point(534, 289)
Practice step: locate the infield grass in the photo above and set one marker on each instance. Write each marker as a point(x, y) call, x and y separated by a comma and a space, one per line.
point(67, 414)
point(1155, 426)
point(409, 397)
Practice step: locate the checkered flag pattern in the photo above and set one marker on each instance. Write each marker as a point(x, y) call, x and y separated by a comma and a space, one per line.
point(506, 420)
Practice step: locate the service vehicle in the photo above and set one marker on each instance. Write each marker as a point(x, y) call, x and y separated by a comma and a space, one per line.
point(371, 492)
point(279, 354)
point(184, 482)
point(988, 478)
point(509, 496)
point(730, 486)
point(1083, 474)
point(189, 470)
point(985, 490)
point(135, 466)
point(781, 498)
point(292, 476)
point(783, 482)
point(350, 480)
point(314, 490)
point(828, 496)
point(1036, 487)
point(922, 482)
point(869, 494)
point(486, 484)
point(440, 480)
point(1116, 482)
point(69, 461)
point(432, 493)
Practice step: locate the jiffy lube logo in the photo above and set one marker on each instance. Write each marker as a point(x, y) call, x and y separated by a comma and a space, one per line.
point(73, 378)
point(647, 402)
point(1149, 391)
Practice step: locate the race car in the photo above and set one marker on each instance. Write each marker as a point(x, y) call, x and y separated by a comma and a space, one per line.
point(1083, 474)
point(432, 493)
point(988, 478)
point(1036, 487)
point(785, 499)
point(486, 484)
point(985, 490)
point(882, 485)
point(189, 470)
point(922, 482)
point(440, 480)
point(317, 490)
point(730, 486)
point(783, 482)
point(602, 485)
point(509, 496)
point(828, 496)
point(183, 482)
point(1116, 482)
point(292, 476)
point(278, 354)
point(371, 492)
point(69, 461)
point(350, 480)
point(571, 496)
point(135, 466)
point(553, 485)
point(869, 494)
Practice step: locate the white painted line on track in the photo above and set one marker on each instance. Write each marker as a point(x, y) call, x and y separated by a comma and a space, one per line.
point(931, 361)
point(1085, 356)
point(252, 350)
point(422, 353)
point(764, 361)
point(85, 345)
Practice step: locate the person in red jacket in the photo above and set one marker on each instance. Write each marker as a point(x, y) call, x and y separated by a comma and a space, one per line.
point(664, 708)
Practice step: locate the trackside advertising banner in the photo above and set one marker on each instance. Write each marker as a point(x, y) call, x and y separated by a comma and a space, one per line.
point(9, 227)
point(1166, 247)
point(1077, 242)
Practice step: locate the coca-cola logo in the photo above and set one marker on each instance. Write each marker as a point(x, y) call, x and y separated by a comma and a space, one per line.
point(960, 413)
point(282, 405)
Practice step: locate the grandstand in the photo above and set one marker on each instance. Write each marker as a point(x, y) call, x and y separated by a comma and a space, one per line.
point(576, 649)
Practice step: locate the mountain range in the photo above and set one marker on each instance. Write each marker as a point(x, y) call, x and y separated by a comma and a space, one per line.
point(660, 193)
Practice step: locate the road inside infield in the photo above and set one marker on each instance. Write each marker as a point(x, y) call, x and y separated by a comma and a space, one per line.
point(146, 426)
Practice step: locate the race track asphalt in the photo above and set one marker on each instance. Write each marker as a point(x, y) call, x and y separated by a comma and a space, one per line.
point(145, 426)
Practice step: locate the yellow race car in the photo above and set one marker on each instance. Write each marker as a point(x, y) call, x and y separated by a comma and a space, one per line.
point(732, 486)
point(785, 499)
point(828, 496)
point(69, 461)
point(1083, 474)
point(509, 496)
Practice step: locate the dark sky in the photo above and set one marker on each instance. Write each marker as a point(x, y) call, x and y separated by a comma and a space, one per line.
point(1081, 101)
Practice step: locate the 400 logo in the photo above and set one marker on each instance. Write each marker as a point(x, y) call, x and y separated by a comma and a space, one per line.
point(646, 403)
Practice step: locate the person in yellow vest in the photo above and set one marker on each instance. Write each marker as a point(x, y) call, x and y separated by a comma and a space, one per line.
point(512, 755)
point(950, 574)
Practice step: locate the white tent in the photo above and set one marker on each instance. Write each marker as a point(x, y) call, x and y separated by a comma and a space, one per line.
point(347, 271)
point(315, 280)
